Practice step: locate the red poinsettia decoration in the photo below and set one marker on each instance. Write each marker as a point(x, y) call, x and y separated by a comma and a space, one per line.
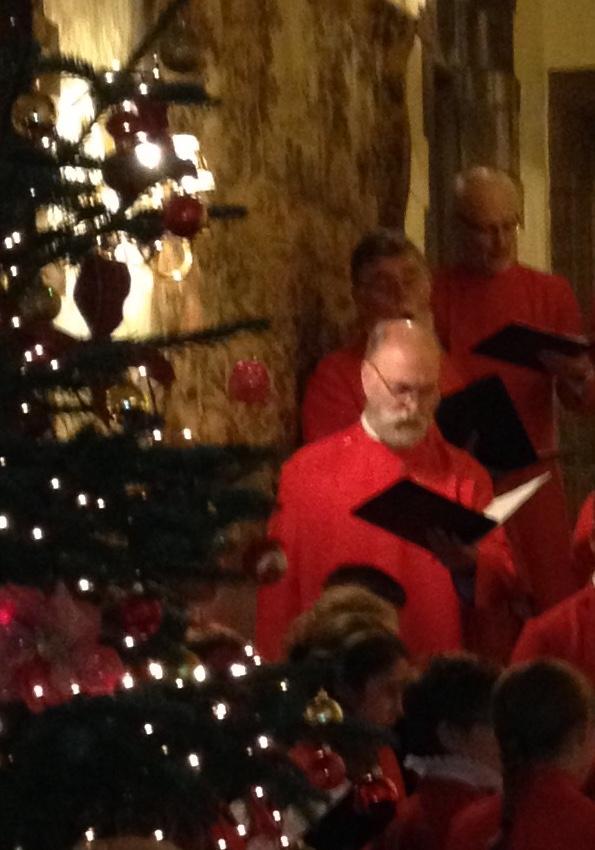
point(50, 650)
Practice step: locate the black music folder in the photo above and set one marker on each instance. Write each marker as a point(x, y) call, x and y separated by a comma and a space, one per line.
point(522, 345)
point(483, 420)
point(409, 510)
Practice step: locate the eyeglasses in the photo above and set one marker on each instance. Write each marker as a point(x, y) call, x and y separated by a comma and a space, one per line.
point(504, 228)
point(400, 391)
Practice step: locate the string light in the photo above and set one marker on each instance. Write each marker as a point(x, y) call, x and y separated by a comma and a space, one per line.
point(263, 742)
point(277, 815)
point(129, 642)
point(238, 670)
point(3, 522)
point(283, 684)
point(148, 728)
point(193, 760)
point(158, 835)
point(259, 792)
point(127, 681)
point(16, 236)
point(143, 89)
point(38, 691)
point(75, 688)
point(200, 673)
point(55, 483)
point(8, 243)
point(220, 711)
point(2, 461)
point(284, 841)
point(15, 322)
point(249, 650)
point(155, 669)
point(165, 749)
point(90, 834)
point(28, 357)
point(101, 504)
point(157, 435)
point(32, 192)
point(25, 407)
point(14, 270)
point(37, 533)
point(222, 844)
point(82, 499)
point(241, 830)
point(54, 365)
point(142, 371)
point(187, 434)
point(39, 349)
point(85, 585)
point(257, 661)
point(179, 683)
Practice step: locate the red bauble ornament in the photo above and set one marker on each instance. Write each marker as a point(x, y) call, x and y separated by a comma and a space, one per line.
point(376, 796)
point(141, 616)
point(184, 216)
point(323, 768)
point(250, 382)
point(99, 293)
point(123, 124)
point(264, 561)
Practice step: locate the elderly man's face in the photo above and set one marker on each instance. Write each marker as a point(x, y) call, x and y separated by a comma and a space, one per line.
point(401, 388)
point(392, 288)
point(488, 225)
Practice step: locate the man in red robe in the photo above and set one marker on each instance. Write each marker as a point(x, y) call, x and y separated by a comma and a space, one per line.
point(325, 481)
point(390, 280)
point(485, 291)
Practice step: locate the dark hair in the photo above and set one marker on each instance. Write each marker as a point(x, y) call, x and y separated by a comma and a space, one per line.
point(373, 579)
point(367, 654)
point(454, 690)
point(380, 243)
point(536, 709)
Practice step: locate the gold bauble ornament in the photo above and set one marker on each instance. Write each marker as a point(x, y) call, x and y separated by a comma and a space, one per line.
point(33, 115)
point(40, 303)
point(323, 710)
point(124, 399)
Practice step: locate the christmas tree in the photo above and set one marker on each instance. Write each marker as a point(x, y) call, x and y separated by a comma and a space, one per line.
point(116, 719)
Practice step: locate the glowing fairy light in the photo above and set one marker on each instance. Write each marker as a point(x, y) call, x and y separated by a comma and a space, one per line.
point(238, 670)
point(16, 237)
point(14, 271)
point(75, 688)
point(179, 683)
point(220, 711)
point(8, 243)
point(263, 742)
point(155, 669)
point(158, 835)
point(39, 349)
point(15, 322)
point(85, 585)
point(248, 650)
point(54, 365)
point(148, 154)
point(276, 815)
point(257, 660)
point(284, 684)
point(187, 434)
point(25, 407)
point(55, 483)
point(143, 89)
point(37, 533)
point(142, 371)
point(129, 642)
point(127, 681)
point(3, 522)
point(2, 461)
point(28, 356)
point(38, 691)
point(193, 760)
point(222, 844)
point(82, 500)
point(165, 749)
point(157, 435)
point(101, 504)
point(200, 673)
point(241, 830)
point(284, 841)
point(90, 834)
point(148, 727)
point(259, 792)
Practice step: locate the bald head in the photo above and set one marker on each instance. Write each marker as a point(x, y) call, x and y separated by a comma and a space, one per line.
point(400, 376)
point(487, 208)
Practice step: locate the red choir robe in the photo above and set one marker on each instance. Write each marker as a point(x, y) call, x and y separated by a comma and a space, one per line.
point(551, 813)
point(566, 631)
point(322, 483)
point(469, 308)
point(583, 557)
point(334, 397)
point(425, 817)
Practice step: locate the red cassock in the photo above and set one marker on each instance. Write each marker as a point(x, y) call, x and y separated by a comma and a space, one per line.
point(551, 813)
point(469, 308)
point(425, 817)
point(583, 557)
point(334, 397)
point(566, 631)
point(322, 484)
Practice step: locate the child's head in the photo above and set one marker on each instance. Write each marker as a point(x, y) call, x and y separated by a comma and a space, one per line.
point(338, 613)
point(447, 710)
point(543, 714)
point(373, 672)
point(370, 578)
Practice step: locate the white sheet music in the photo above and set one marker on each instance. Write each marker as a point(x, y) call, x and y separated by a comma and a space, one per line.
point(503, 507)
